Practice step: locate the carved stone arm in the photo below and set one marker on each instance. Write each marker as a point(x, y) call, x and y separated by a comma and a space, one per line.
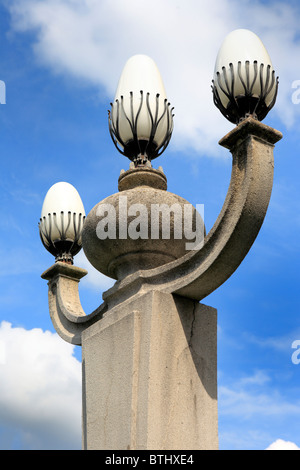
point(65, 308)
point(198, 273)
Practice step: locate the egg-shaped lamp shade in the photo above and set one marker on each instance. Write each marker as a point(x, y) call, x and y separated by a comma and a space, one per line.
point(61, 222)
point(244, 81)
point(140, 119)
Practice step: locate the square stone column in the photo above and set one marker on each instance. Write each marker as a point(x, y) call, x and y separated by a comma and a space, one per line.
point(150, 376)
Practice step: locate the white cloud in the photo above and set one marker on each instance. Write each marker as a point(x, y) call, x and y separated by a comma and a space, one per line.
point(40, 390)
point(253, 411)
point(283, 445)
point(260, 378)
point(18, 260)
point(91, 40)
point(94, 279)
point(240, 400)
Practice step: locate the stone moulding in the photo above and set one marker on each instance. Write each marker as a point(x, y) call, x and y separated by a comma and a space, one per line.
point(198, 273)
point(66, 312)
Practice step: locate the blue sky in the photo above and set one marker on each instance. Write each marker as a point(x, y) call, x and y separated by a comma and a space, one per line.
point(61, 61)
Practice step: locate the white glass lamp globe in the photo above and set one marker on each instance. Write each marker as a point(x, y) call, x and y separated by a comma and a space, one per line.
point(61, 221)
point(141, 121)
point(244, 79)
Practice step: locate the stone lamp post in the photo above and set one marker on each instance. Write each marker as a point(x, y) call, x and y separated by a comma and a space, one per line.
point(150, 350)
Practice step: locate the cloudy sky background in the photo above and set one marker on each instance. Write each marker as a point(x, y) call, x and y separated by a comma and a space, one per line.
point(61, 61)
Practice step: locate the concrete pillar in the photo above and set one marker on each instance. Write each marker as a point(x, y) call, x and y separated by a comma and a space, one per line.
point(150, 350)
point(150, 376)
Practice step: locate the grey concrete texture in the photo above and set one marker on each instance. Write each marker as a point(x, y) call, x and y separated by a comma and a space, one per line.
point(150, 349)
point(150, 376)
point(198, 273)
point(118, 257)
point(195, 274)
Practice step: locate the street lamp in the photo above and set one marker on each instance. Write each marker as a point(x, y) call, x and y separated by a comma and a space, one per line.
point(149, 351)
point(61, 222)
point(141, 120)
point(244, 80)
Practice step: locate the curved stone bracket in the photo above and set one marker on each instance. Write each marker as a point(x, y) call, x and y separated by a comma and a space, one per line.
point(199, 273)
point(65, 308)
